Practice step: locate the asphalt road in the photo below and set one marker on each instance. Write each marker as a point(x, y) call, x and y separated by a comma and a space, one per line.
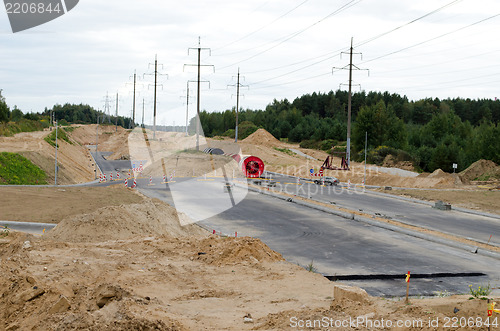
point(476, 227)
point(335, 246)
point(110, 165)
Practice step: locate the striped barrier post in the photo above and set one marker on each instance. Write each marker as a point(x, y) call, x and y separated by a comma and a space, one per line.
point(126, 182)
point(117, 175)
point(111, 177)
point(134, 184)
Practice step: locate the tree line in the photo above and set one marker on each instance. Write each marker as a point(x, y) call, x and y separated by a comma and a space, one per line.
point(64, 114)
point(432, 133)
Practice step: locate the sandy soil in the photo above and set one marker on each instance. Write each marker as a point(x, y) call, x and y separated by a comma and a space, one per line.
point(107, 270)
point(75, 165)
point(52, 204)
point(120, 261)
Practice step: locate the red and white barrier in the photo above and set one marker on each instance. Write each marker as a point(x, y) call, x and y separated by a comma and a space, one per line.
point(150, 180)
point(348, 183)
point(100, 178)
point(111, 177)
point(105, 177)
point(126, 182)
point(164, 179)
point(134, 184)
point(117, 175)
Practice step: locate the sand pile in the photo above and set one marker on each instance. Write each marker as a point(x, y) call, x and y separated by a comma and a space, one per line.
point(222, 251)
point(262, 137)
point(391, 162)
point(478, 169)
point(149, 218)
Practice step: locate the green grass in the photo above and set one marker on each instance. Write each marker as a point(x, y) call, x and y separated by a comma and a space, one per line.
point(24, 125)
point(70, 128)
point(61, 135)
point(284, 150)
point(15, 169)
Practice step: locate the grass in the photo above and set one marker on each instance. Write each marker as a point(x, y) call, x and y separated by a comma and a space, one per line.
point(15, 169)
point(284, 150)
point(310, 267)
point(24, 125)
point(61, 135)
point(70, 128)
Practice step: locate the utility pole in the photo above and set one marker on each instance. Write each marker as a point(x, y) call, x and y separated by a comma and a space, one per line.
point(133, 105)
point(55, 167)
point(96, 142)
point(142, 113)
point(238, 85)
point(116, 124)
point(187, 107)
point(350, 67)
point(155, 86)
point(199, 65)
point(133, 102)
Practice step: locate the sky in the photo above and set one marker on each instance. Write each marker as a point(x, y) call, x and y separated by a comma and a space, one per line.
point(283, 49)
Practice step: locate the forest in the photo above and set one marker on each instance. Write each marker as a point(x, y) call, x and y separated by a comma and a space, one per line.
point(432, 133)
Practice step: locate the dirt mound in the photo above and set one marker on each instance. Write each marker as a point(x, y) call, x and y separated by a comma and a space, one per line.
point(477, 169)
point(149, 218)
point(221, 251)
point(391, 162)
point(438, 173)
point(262, 137)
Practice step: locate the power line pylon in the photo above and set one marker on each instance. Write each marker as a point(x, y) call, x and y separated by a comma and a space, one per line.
point(155, 86)
point(350, 66)
point(238, 85)
point(133, 102)
point(199, 65)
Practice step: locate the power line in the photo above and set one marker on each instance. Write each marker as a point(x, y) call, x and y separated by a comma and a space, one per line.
point(295, 34)
point(259, 29)
point(335, 53)
point(434, 38)
point(406, 24)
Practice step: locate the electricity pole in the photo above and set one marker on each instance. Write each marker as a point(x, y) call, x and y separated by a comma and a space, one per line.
point(55, 167)
point(350, 67)
point(199, 65)
point(116, 119)
point(155, 86)
point(133, 105)
point(238, 85)
point(142, 113)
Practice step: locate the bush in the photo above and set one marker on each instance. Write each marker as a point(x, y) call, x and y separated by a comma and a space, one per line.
point(229, 133)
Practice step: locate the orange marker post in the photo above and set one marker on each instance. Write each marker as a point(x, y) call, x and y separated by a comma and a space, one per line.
point(407, 285)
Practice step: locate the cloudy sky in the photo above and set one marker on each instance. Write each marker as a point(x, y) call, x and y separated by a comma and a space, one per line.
point(425, 48)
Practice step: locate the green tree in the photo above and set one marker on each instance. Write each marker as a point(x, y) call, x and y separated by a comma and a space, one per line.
point(4, 110)
point(16, 114)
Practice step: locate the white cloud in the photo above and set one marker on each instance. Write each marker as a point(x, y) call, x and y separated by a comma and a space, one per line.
point(96, 47)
